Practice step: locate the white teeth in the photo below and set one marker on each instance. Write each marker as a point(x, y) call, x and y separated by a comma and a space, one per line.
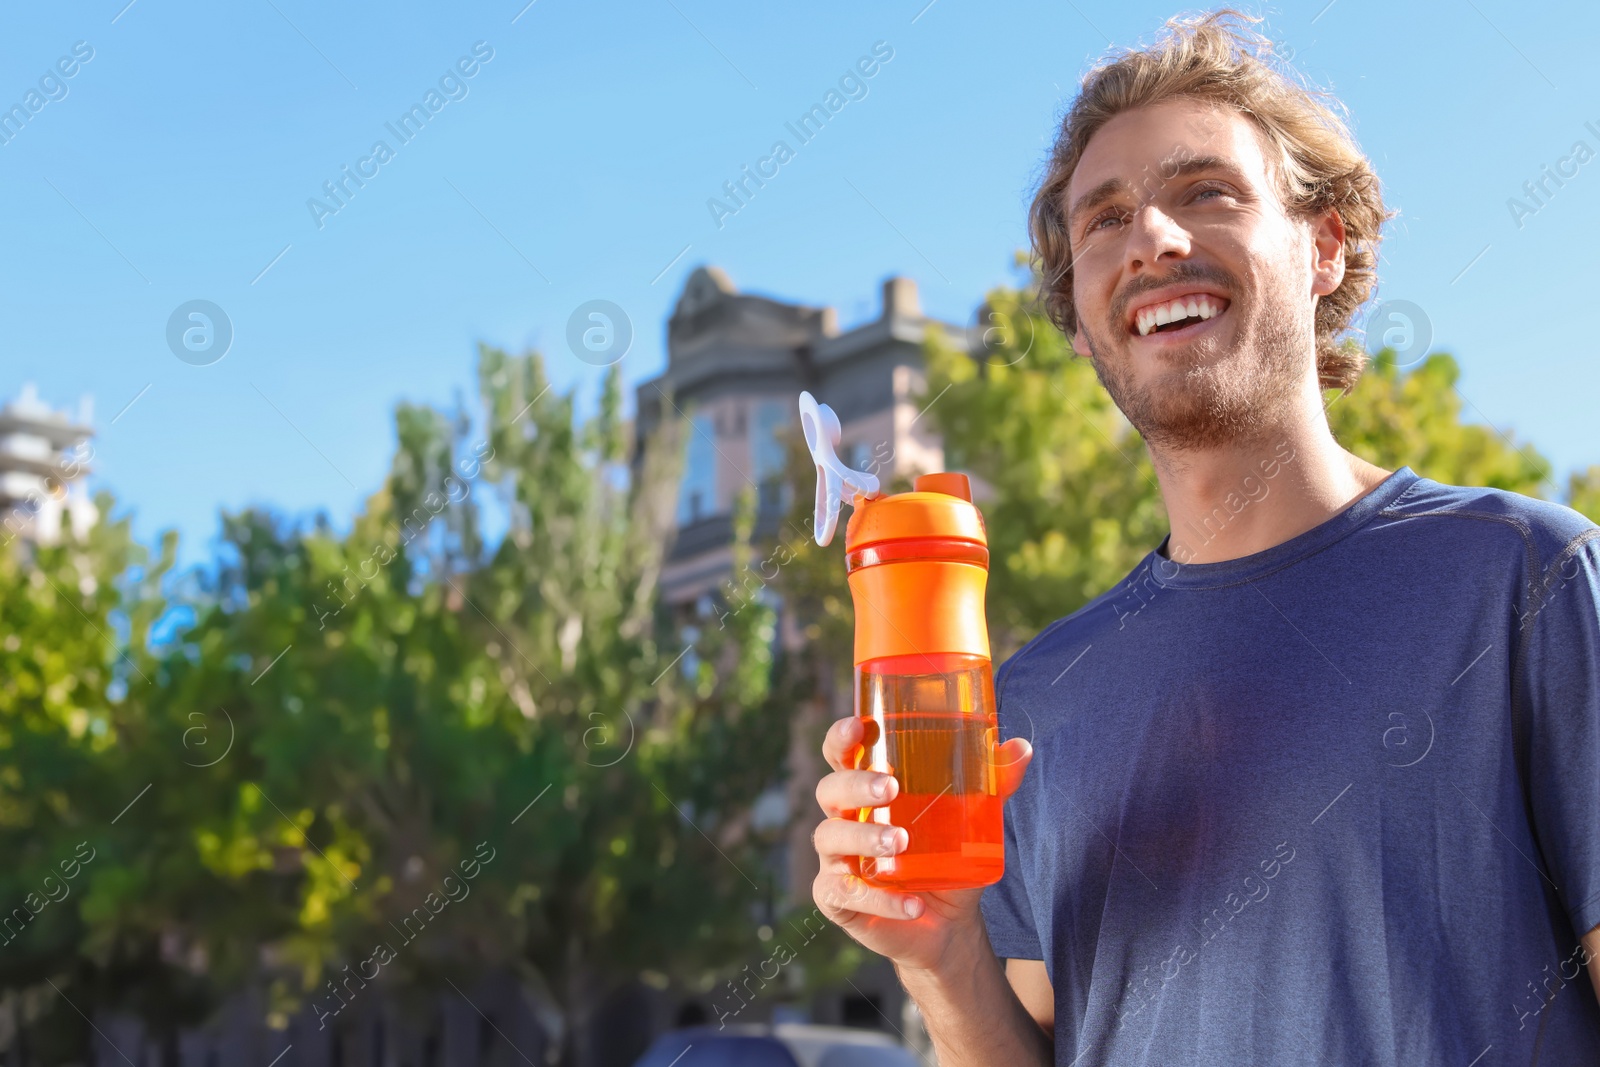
point(1198, 306)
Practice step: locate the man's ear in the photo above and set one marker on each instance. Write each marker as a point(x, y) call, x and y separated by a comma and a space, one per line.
point(1080, 340)
point(1327, 261)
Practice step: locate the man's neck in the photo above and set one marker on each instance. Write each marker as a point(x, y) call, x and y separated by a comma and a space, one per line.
point(1240, 499)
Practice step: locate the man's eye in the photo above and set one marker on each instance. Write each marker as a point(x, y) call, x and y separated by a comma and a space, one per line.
point(1110, 216)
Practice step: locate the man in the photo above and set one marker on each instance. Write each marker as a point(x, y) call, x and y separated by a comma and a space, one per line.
point(1320, 780)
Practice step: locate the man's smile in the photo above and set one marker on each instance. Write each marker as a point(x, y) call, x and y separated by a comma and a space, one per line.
point(1176, 314)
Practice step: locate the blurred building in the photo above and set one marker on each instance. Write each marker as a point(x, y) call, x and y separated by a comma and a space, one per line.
point(736, 363)
point(44, 455)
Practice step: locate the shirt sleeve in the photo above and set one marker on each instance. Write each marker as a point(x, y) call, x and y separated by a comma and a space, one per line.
point(1006, 910)
point(1560, 684)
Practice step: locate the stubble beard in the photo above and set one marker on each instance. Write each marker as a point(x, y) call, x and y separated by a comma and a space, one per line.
point(1230, 400)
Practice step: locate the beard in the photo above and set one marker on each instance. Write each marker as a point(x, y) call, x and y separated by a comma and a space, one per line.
point(1209, 398)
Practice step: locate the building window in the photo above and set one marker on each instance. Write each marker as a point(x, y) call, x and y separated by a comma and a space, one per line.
point(769, 454)
point(697, 491)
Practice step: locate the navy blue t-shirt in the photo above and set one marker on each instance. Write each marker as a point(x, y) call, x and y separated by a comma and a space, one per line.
point(1337, 801)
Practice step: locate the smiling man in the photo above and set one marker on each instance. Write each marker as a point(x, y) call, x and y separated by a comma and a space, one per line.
point(1319, 781)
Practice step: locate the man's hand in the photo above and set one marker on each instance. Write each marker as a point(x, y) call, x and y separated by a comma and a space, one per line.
point(912, 929)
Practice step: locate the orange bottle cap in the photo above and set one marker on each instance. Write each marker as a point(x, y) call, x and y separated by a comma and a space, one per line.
point(924, 512)
point(949, 483)
point(919, 605)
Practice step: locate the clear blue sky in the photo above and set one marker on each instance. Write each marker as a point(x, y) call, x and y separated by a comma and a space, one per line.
point(578, 166)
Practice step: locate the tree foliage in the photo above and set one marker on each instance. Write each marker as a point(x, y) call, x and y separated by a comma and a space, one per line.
point(348, 724)
point(1583, 492)
point(1414, 419)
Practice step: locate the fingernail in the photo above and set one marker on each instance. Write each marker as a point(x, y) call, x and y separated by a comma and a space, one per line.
point(913, 907)
point(886, 842)
point(880, 788)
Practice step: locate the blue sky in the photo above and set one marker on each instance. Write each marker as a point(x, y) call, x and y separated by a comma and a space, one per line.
point(577, 162)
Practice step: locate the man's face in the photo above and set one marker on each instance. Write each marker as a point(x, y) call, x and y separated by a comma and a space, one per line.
point(1179, 202)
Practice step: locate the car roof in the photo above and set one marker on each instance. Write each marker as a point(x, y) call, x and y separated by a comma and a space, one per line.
point(809, 1042)
point(847, 1035)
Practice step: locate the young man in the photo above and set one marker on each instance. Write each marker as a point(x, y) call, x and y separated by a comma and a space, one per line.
point(1320, 780)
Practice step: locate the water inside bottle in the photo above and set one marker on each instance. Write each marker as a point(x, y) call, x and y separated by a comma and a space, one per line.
point(931, 723)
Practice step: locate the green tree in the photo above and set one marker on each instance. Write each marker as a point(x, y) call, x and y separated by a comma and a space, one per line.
point(351, 719)
point(1583, 492)
point(75, 666)
point(1414, 419)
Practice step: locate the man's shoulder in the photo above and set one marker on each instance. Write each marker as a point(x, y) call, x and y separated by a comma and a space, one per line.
point(1497, 521)
point(1545, 528)
point(1070, 635)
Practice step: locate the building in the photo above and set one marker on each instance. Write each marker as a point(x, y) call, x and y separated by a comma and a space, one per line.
point(44, 456)
point(736, 363)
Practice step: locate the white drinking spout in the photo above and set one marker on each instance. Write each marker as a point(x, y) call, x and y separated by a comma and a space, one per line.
point(834, 479)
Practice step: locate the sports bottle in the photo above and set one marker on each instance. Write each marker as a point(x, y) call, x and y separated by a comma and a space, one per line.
point(918, 565)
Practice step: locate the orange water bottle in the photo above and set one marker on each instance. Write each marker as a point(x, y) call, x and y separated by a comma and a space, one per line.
point(918, 566)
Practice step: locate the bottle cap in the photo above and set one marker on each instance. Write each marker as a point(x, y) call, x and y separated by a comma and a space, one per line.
point(834, 479)
point(925, 512)
point(923, 593)
point(949, 483)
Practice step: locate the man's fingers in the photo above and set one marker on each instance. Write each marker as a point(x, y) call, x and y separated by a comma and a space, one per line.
point(843, 793)
point(844, 896)
point(846, 837)
point(1011, 762)
point(839, 746)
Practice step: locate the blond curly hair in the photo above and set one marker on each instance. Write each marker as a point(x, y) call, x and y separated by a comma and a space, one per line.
point(1218, 58)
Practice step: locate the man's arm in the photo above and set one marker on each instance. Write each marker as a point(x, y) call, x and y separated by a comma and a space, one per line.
point(974, 1016)
point(1591, 948)
point(1031, 983)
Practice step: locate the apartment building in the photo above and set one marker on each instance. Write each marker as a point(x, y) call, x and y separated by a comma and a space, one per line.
point(736, 363)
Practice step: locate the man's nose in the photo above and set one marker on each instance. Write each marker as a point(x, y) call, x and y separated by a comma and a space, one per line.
point(1155, 238)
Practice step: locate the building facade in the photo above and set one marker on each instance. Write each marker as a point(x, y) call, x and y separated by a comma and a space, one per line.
point(44, 455)
point(736, 363)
